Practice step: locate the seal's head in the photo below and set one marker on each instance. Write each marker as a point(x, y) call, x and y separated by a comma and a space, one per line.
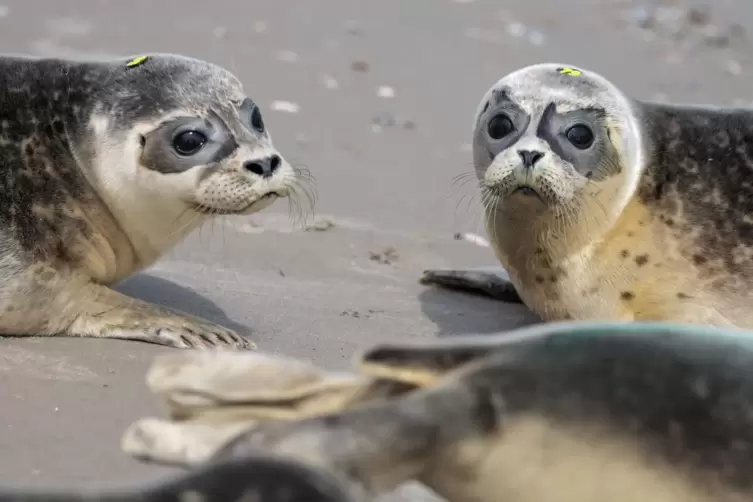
point(174, 139)
point(550, 137)
point(192, 133)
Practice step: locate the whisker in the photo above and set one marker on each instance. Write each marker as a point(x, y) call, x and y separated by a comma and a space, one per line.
point(295, 204)
point(294, 208)
point(311, 193)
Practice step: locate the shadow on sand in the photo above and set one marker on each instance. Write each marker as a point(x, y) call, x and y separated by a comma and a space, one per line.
point(172, 295)
point(459, 313)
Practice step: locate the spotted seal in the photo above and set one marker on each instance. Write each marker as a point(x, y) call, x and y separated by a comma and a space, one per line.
point(106, 166)
point(602, 206)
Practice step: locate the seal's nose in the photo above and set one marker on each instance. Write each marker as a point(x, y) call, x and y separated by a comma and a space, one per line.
point(263, 167)
point(530, 157)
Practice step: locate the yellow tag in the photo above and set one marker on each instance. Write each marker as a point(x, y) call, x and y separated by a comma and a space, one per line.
point(570, 71)
point(136, 61)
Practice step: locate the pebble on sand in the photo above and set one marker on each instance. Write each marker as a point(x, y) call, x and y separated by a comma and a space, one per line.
point(287, 56)
point(285, 106)
point(359, 66)
point(472, 238)
point(330, 82)
point(386, 92)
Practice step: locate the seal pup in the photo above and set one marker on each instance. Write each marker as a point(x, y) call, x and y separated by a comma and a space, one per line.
point(601, 206)
point(106, 166)
point(258, 478)
point(557, 412)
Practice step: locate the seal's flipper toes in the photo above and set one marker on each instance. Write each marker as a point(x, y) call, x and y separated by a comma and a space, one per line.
point(198, 335)
point(105, 313)
point(477, 281)
point(181, 333)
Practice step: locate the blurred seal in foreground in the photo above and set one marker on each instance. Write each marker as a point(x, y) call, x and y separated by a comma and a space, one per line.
point(559, 412)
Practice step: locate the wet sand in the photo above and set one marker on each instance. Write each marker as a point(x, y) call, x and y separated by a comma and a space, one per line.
point(383, 94)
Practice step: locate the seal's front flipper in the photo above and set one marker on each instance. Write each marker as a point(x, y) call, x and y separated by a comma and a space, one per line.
point(488, 282)
point(101, 312)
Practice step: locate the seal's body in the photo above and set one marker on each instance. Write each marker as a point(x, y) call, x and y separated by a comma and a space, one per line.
point(104, 166)
point(604, 207)
point(559, 412)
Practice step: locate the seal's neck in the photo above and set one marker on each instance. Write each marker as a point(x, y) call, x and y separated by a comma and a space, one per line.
point(151, 241)
point(152, 223)
point(526, 231)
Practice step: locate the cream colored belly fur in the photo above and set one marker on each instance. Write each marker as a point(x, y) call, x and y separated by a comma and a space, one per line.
point(533, 459)
point(636, 272)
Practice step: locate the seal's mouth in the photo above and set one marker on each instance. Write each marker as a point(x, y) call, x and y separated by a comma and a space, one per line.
point(250, 208)
point(527, 192)
point(524, 190)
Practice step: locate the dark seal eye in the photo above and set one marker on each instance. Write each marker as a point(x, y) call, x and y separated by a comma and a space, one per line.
point(256, 121)
point(189, 142)
point(499, 126)
point(580, 136)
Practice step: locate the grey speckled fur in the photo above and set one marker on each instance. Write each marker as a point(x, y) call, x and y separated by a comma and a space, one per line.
point(700, 180)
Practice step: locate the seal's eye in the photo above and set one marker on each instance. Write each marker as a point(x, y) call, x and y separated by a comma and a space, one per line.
point(189, 142)
point(256, 121)
point(580, 136)
point(499, 126)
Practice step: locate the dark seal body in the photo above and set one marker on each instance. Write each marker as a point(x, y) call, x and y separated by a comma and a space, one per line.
point(558, 412)
point(254, 478)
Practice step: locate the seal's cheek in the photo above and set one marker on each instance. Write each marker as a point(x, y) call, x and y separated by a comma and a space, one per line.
point(180, 186)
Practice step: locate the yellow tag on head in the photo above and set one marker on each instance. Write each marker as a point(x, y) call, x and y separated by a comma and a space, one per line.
point(569, 71)
point(136, 61)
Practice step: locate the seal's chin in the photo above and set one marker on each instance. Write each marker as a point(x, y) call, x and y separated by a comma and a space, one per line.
point(262, 202)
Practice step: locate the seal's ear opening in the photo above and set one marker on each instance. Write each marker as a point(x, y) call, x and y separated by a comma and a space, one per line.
point(142, 140)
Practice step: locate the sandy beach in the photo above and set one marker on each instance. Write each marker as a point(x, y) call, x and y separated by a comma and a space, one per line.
point(376, 99)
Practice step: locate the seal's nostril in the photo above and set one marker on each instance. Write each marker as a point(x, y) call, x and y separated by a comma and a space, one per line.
point(274, 163)
point(263, 167)
point(254, 167)
point(530, 157)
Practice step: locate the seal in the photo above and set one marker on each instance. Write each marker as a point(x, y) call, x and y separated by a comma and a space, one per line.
point(564, 411)
point(106, 166)
point(211, 397)
point(262, 478)
point(602, 206)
